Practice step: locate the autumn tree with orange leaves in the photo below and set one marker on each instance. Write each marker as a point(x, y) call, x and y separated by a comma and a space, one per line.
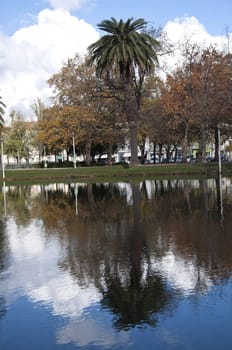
point(83, 107)
point(198, 96)
point(212, 76)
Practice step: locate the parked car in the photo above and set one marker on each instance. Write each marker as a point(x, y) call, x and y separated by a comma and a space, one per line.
point(191, 158)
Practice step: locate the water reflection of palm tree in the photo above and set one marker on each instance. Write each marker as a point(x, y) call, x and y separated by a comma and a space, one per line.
point(144, 295)
point(137, 303)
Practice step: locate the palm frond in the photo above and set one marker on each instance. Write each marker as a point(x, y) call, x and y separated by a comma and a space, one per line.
point(125, 45)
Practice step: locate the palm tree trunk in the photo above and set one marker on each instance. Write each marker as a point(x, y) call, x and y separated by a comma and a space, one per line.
point(131, 107)
point(133, 143)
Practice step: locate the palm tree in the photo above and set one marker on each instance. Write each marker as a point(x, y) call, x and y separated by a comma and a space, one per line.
point(130, 52)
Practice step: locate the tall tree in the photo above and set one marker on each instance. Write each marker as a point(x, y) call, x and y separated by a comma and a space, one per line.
point(198, 96)
point(126, 52)
point(177, 101)
point(213, 75)
point(19, 137)
point(55, 128)
point(39, 109)
point(74, 86)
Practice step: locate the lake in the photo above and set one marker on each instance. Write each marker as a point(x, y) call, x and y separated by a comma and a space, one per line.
point(140, 265)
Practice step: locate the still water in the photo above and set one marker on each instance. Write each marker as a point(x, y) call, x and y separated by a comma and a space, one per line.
point(116, 266)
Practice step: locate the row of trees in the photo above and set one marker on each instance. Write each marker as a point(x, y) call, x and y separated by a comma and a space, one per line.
point(115, 94)
point(193, 102)
point(189, 106)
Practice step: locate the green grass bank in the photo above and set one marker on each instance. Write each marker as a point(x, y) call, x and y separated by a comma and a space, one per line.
point(114, 173)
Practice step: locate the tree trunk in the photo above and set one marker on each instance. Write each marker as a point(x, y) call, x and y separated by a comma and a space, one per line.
point(133, 143)
point(216, 144)
point(203, 143)
point(109, 155)
point(168, 153)
point(131, 108)
point(160, 151)
point(154, 152)
point(185, 143)
point(88, 153)
point(142, 148)
point(175, 154)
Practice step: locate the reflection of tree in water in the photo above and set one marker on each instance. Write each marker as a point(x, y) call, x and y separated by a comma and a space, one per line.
point(189, 227)
point(113, 243)
point(98, 234)
point(218, 181)
point(3, 263)
point(19, 203)
point(2, 307)
point(95, 200)
point(137, 303)
point(3, 246)
point(144, 295)
point(134, 295)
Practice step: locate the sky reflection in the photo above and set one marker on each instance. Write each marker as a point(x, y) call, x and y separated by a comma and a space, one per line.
point(35, 272)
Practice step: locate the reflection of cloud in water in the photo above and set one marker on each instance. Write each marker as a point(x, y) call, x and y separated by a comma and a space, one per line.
point(35, 272)
point(89, 331)
point(183, 275)
point(65, 296)
point(170, 338)
point(173, 340)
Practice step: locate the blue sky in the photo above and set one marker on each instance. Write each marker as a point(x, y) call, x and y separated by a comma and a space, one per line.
point(215, 15)
point(38, 36)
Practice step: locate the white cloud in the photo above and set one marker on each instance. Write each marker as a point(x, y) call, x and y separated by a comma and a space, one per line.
point(36, 52)
point(186, 28)
point(181, 30)
point(33, 53)
point(68, 4)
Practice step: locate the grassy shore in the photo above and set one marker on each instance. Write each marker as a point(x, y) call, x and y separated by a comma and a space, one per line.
point(114, 173)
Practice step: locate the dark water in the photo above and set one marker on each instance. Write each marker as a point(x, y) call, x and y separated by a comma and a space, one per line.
point(116, 266)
